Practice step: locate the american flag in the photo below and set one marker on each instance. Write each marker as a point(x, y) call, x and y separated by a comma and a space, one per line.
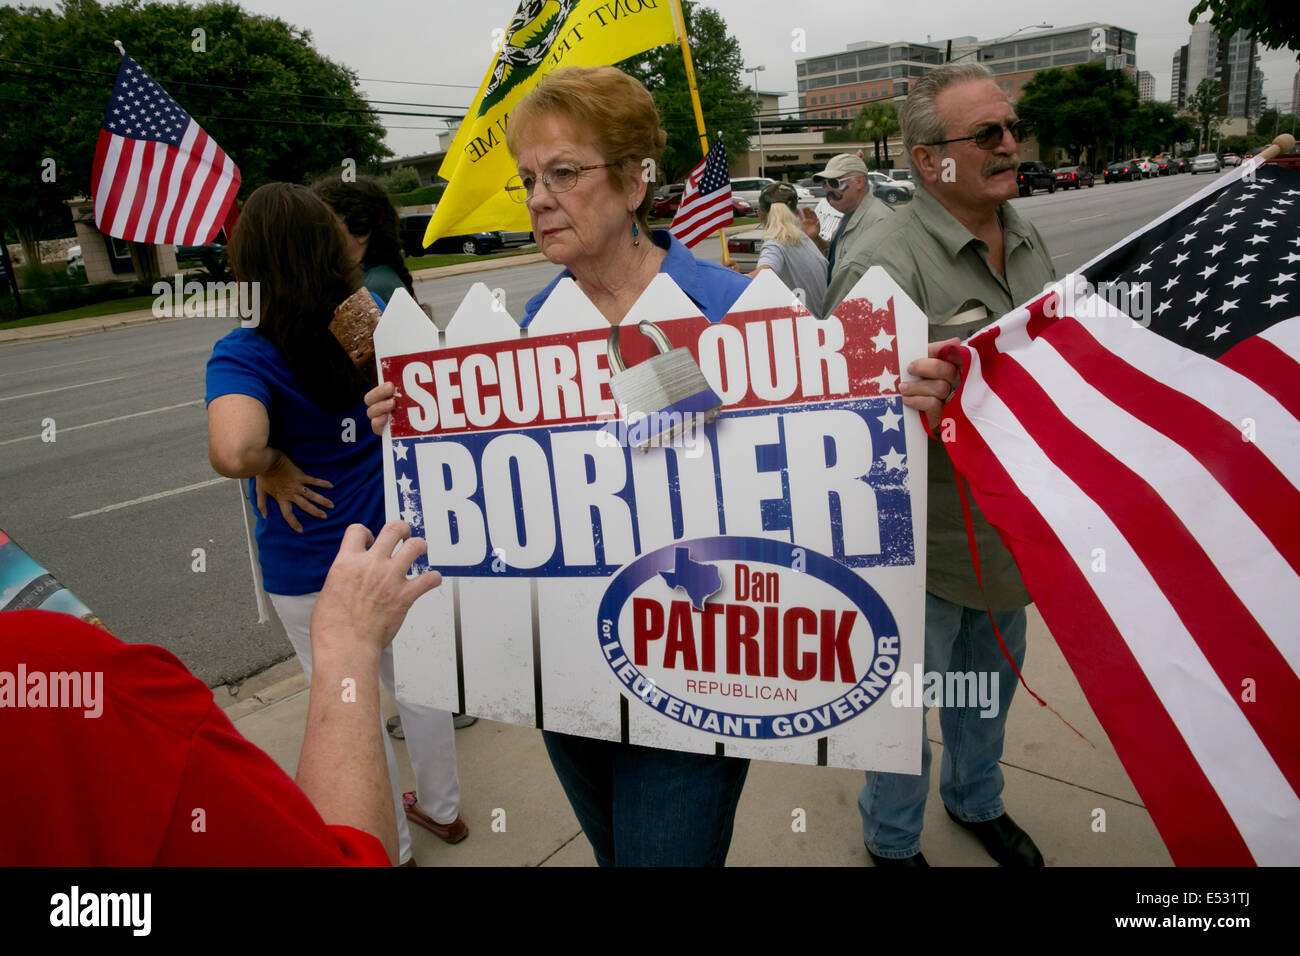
point(158, 177)
point(1143, 467)
point(706, 202)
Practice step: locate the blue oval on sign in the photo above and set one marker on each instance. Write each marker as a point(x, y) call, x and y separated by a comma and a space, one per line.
point(695, 575)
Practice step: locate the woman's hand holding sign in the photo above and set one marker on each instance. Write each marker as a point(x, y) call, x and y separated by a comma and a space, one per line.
point(379, 405)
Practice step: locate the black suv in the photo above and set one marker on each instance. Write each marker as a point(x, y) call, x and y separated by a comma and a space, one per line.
point(1033, 176)
point(411, 229)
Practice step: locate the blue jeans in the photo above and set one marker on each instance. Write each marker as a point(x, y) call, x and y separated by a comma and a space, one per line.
point(640, 806)
point(970, 781)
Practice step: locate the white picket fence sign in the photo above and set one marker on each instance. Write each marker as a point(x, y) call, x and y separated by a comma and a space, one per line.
point(577, 569)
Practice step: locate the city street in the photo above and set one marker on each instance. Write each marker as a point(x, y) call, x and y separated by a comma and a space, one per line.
point(125, 510)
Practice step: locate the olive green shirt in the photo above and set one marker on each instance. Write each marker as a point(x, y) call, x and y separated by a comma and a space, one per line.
point(945, 270)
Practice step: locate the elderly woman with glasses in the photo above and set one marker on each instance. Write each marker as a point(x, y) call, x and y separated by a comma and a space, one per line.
point(580, 141)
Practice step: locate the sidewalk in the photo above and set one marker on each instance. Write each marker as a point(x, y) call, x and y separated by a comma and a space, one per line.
point(125, 320)
point(1055, 784)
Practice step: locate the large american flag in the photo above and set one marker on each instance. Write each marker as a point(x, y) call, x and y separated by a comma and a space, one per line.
point(1144, 474)
point(158, 177)
point(706, 203)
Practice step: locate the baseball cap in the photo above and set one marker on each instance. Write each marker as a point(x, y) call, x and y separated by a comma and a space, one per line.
point(842, 165)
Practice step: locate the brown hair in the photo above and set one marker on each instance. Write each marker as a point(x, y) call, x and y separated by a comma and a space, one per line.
point(615, 110)
point(366, 208)
point(288, 241)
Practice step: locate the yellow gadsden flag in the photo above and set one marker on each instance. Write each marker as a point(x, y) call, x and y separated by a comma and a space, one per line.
point(543, 35)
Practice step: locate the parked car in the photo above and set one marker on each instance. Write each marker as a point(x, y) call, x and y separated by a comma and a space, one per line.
point(1232, 159)
point(1073, 177)
point(667, 207)
point(1034, 175)
point(1206, 163)
point(667, 199)
point(1145, 164)
point(1122, 170)
point(904, 174)
point(1165, 166)
point(742, 248)
point(815, 189)
point(890, 191)
point(212, 255)
point(1182, 164)
point(411, 229)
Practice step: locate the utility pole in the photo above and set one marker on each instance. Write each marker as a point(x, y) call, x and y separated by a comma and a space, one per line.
point(762, 166)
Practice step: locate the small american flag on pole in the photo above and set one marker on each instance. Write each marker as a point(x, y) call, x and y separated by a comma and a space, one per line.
point(158, 177)
point(1145, 473)
point(706, 202)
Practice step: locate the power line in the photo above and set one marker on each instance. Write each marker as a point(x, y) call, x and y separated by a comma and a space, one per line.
point(243, 89)
point(200, 94)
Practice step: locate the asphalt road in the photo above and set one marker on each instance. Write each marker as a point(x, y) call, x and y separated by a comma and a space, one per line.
point(116, 505)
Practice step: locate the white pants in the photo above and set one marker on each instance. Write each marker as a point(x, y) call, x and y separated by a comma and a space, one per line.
point(430, 736)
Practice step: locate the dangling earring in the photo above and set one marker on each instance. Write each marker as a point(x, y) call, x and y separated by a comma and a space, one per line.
point(636, 233)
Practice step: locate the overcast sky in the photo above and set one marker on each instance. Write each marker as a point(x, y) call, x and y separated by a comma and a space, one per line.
point(425, 43)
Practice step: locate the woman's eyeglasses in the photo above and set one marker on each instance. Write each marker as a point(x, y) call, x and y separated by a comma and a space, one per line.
point(559, 179)
point(988, 137)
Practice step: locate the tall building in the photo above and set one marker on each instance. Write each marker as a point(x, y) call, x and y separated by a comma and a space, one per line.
point(836, 85)
point(1146, 86)
point(1178, 88)
point(1231, 61)
point(1245, 81)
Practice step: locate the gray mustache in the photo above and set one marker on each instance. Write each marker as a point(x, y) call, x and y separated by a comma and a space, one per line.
point(994, 166)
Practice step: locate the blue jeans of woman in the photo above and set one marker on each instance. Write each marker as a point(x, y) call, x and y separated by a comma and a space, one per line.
point(641, 806)
point(957, 639)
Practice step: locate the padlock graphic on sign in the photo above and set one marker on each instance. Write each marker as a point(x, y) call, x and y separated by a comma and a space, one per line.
point(664, 395)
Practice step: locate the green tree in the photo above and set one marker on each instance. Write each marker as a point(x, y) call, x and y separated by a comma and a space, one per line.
point(1274, 23)
point(1080, 108)
point(728, 105)
point(255, 84)
point(1273, 121)
point(876, 122)
point(1155, 127)
point(401, 179)
point(1208, 105)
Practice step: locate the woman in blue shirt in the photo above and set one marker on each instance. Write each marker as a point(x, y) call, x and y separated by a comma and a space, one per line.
point(285, 410)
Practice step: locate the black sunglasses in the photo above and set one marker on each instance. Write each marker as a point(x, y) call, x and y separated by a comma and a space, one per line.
point(988, 137)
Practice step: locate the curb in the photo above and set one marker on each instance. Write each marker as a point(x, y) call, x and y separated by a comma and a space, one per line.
point(257, 691)
point(126, 320)
point(78, 327)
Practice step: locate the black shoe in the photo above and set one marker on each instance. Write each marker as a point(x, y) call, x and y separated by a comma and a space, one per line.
point(1003, 840)
point(917, 860)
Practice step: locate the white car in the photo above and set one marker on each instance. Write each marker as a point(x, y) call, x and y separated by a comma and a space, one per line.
point(1148, 168)
point(1206, 163)
point(748, 190)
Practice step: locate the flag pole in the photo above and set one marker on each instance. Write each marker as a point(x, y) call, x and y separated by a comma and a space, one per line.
point(1283, 144)
point(679, 26)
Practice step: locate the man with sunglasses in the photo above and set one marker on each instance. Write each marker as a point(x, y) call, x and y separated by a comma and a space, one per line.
point(849, 193)
point(965, 257)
